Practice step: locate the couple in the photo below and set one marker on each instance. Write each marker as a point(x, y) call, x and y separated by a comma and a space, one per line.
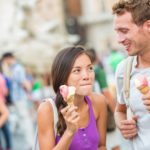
point(83, 125)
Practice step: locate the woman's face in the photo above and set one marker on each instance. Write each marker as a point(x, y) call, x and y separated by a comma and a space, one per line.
point(82, 75)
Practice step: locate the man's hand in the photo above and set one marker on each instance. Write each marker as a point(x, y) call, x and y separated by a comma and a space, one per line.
point(146, 101)
point(128, 128)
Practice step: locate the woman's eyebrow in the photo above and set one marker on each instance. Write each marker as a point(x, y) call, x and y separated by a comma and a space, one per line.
point(80, 66)
point(76, 67)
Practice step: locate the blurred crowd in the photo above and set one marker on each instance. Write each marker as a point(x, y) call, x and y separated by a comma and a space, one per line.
point(20, 94)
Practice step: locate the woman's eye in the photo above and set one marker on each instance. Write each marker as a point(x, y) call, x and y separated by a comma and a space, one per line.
point(76, 70)
point(91, 68)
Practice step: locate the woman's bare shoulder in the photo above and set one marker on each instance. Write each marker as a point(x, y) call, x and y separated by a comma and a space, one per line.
point(99, 103)
point(45, 111)
point(98, 99)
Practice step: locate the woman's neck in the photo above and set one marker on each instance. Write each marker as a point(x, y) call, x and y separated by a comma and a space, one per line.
point(79, 101)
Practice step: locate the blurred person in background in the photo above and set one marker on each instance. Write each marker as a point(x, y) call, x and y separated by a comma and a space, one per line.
point(20, 87)
point(4, 127)
point(41, 90)
point(4, 113)
point(115, 58)
point(101, 86)
point(47, 89)
point(82, 125)
point(36, 90)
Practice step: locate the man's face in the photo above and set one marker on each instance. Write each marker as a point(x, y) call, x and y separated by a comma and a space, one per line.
point(134, 38)
point(8, 61)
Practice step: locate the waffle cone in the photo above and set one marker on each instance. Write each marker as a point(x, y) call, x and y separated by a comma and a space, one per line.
point(144, 89)
point(70, 100)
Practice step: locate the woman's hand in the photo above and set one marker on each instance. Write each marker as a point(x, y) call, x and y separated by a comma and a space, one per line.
point(71, 117)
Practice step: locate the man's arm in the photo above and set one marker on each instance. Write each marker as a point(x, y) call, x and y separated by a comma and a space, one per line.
point(126, 126)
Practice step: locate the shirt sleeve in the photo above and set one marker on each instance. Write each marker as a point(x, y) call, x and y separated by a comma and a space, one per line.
point(119, 82)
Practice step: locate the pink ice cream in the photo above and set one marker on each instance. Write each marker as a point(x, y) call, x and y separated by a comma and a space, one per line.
point(142, 84)
point(67, 93)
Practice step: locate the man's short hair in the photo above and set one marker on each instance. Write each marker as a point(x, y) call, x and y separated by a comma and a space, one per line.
point(7, 55)
point(139, 9)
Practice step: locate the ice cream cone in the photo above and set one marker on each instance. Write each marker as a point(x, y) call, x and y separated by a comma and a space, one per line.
point(142, 84)
point(68, 93)
point(144, 89)
point(70, 100)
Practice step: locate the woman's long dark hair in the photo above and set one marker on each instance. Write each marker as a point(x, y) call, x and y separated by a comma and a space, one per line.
point(60, 72)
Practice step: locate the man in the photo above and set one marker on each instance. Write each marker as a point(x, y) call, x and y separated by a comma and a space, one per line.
point(18, 92)
point(132, 24)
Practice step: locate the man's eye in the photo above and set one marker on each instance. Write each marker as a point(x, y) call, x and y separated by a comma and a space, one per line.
point(124, 31)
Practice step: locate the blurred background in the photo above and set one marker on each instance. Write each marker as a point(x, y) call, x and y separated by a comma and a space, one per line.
point(35, 30)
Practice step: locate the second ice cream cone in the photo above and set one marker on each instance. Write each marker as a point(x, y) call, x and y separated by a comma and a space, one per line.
point(142, 84)
point(144, 89)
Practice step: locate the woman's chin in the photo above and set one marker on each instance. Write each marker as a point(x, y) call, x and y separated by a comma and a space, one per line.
point(86, 92)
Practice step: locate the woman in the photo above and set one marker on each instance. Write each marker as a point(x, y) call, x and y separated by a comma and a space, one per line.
point(83, 125)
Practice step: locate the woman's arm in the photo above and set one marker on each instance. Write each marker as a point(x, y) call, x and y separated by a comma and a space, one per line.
point(46, 128)
point(100, 108)
point(4, 114)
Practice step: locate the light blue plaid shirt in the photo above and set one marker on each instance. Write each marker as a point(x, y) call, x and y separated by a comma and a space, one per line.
point(18, 76)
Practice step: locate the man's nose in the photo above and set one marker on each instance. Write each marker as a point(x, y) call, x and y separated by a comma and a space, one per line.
point(121, 38)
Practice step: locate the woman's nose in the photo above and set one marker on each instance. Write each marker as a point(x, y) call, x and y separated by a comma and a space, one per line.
point(85, 75)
